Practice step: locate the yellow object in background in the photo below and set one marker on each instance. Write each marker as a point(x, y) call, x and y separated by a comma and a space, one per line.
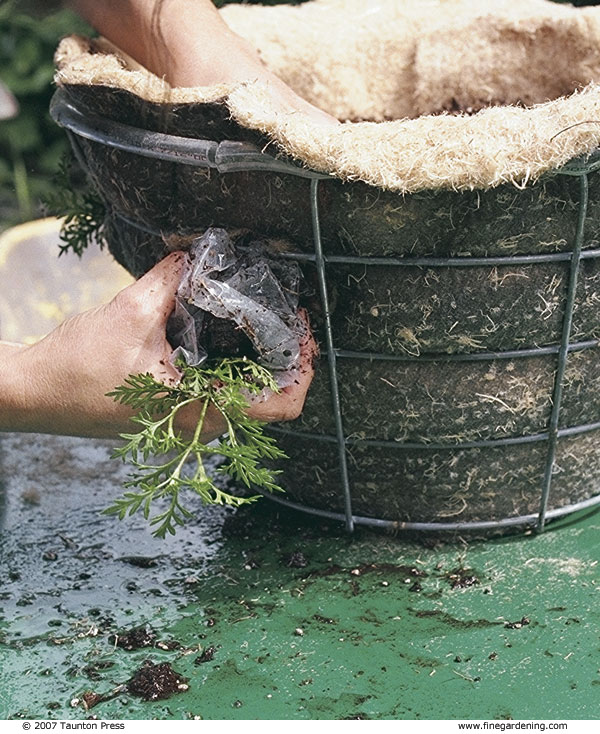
point(39, 290)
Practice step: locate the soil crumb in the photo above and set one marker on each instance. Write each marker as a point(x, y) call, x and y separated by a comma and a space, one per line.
point(153, 682)
point(517, 625)
point(134, 639)
point(139, 561)
point(297, 559)
point(206, 656)
point(462, 578)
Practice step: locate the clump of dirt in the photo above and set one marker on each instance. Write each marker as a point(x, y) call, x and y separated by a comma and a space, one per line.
point(322, 619)
point(139, 561)
point(206, 655)
point(91, 699)
point(462, 578)
point(152, 682)
point(518, 624)
point(297, 559)
point(135, 638)
point(223, 338)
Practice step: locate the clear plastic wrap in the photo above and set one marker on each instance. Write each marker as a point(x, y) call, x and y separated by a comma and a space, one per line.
point(247, 285)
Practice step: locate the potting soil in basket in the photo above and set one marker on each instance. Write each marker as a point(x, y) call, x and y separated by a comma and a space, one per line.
point(457, 117)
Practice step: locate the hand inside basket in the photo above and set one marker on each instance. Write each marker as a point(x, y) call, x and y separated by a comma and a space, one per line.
point(189, 45)
point(60, 384)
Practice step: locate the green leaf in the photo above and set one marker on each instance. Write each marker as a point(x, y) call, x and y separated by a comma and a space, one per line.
point(83, 212)
point(167, 465)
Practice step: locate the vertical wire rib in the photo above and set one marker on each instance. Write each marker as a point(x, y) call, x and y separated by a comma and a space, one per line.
point(331, 355)
point(563, 351)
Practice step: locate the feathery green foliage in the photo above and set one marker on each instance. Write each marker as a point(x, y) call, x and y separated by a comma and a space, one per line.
point(80, 207)
point(179, 462)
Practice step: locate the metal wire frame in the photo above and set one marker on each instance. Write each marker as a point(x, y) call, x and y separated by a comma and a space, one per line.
point(230, 156)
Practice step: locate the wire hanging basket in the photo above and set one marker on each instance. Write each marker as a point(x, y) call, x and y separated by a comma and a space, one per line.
point(344, 447)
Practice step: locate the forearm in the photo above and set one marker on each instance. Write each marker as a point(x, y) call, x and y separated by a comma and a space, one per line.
point(185, 41)
point(36, 398)
point(39, 394)
point(14, 404)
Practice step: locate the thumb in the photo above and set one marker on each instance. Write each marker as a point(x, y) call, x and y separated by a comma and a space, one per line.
point(154, 293)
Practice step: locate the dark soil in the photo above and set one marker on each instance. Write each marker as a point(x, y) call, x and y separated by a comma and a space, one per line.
point(462, 578)
point(517, 625)
point(134, 639)
point(296, 559)
point(156, 681)
point(223, 338)
point(207, 655)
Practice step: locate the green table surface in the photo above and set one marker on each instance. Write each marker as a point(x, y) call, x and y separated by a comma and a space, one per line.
point(301, 620)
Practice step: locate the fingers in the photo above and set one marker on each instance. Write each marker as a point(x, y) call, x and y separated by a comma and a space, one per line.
point(143, 310)
point(287, 404)
point(152, 297)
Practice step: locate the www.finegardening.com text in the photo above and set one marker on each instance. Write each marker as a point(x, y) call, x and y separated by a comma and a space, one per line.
point(513, 725)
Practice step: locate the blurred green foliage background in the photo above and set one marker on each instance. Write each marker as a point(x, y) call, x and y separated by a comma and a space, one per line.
point(31, 145)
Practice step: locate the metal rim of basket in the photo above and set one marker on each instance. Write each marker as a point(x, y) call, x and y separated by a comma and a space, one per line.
point(232, 156)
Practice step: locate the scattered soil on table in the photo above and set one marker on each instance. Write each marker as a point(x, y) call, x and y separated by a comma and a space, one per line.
point(518, 624)
point(322, 619)
point(364, 568)
point(206, 655)
point(134, 639)
point(389, 568)
point(152, 682)
point(453, 621)
point(297, 559)
point(140, 561)
point(462, 578)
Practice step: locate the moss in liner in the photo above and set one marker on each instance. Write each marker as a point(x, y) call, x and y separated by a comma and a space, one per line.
point(449, 485)
point(414, 311)
point(356, 218)
point(437, 401)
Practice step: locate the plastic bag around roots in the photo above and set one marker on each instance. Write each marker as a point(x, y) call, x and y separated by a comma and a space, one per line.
point(245, 289)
